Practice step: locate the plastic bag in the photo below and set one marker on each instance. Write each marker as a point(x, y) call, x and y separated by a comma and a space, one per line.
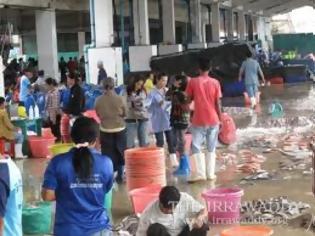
point(36, 218)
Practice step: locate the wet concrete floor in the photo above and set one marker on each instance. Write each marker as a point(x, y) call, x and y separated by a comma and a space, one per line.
point(297, 100)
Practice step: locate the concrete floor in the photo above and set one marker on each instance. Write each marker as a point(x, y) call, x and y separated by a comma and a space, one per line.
point(298, 101)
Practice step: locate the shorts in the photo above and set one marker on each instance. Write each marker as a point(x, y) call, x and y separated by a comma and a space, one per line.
point(251, 89)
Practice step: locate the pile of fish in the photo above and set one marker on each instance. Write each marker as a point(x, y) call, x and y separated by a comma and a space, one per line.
point(295, 164)
point(259, 175)
point(251, 162)
point(274, 210)
point(295, 146)
point(262, 142)
point(227, 159)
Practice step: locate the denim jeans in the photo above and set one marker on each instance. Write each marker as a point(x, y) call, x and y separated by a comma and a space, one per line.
point(169, 139)
point(104, 232)
point(202, 134)
point(19, 137)
point(179, 140)
point(252, 90)
point(137, 129)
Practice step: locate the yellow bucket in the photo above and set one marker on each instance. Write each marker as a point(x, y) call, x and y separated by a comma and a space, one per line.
point(60, 148)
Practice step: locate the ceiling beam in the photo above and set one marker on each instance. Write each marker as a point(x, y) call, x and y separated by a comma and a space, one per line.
point(261, 5)
point(26, 3)
point(287, 7)
point(67, 5)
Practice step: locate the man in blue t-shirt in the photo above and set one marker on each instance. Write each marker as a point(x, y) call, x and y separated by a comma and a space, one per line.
point(25, 85)
point(11, 198)
point(250, 70)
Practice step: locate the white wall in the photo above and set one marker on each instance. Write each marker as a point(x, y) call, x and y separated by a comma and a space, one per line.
point(112, 60)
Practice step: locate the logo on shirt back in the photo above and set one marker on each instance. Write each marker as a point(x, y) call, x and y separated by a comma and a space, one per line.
point(92, 182)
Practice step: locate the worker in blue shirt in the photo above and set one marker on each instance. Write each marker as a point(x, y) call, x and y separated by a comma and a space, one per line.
point(11, 198)
point(160, 110)
point(78, 181)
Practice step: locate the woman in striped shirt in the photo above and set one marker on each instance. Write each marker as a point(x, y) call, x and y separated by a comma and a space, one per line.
point(52, 107)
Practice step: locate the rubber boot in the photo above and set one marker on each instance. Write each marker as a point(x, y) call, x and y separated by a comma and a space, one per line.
point(18, 151)
point(253, 102)
point(210, 165)
point(198, 168)
point(184, 167)
point(173, 160)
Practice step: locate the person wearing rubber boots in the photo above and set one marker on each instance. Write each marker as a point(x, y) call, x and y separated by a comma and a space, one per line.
point(180, 116)
point(206, 93)
point(250, 70)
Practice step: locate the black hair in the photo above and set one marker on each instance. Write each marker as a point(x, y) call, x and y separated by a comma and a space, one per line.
point(158, 77)
point(169, 197)
point(204, 64)
point(74, 76)
point(132, 84)
point(21, 104)
point(249, 54)
point(51, 81)
point(109, 83)
point(41, 73)
point(70, 58)
point(183, 82)
point(2, 100)
point(84, 130)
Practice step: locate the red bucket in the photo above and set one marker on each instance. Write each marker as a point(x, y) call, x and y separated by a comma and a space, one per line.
point(145, 166)
point(39, 146)
point(142, 197)
point(46, 132)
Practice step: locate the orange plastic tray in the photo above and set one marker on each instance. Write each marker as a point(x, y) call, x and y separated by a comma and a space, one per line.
point(248, 231)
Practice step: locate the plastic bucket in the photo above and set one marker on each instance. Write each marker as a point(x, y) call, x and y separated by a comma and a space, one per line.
point(276, 80)
point(39, 146)
point(46, 132)
point(145, 166)
point(60, 148)
point(108, 200)
point(248, 231)
point(142, 197)
point(223, 205)
point(37, 219)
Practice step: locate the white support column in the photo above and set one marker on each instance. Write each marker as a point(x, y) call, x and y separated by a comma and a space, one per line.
point(241, 25)
point(104, 23)
point(195, 8)
point(81, 43)
point(46, 37)
point(140, 55)
point(215, 20)
point(231, 25)
point(204, 22)
point(169, 36)
point(141, 22)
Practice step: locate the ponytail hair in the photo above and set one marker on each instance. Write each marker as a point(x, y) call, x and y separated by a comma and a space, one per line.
point(84, 132)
